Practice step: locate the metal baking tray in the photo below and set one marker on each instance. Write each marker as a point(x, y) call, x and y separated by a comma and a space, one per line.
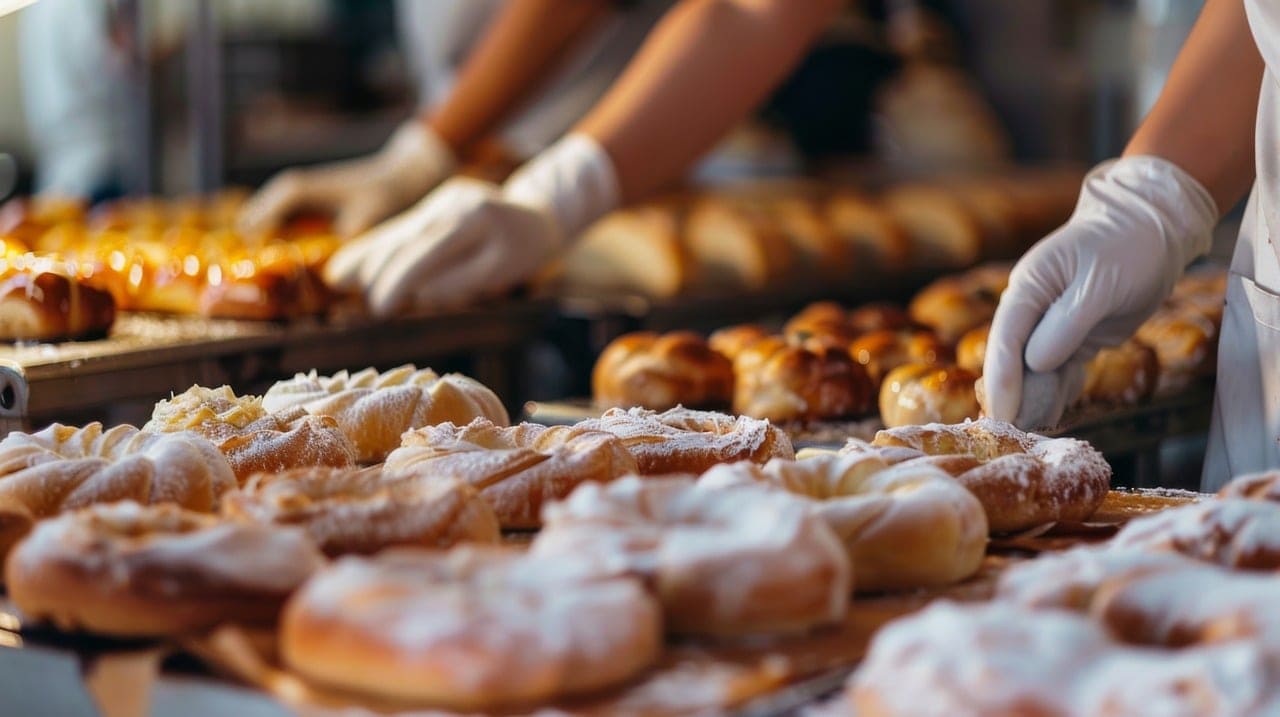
point(147, 356)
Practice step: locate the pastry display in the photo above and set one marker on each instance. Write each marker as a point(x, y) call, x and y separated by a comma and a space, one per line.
point(661, 371)
point(363, 510)
point(906, 526)
point(129, 570)
point(517, 470)
point(253, 440)
point(956, 304)
point(1021, 479)
point(918, 393)
point(690, 543)
point(473, 629)
point(373, 409)
point(781, 382)
point(42, 299)
point(682, 440)
point(64, 468)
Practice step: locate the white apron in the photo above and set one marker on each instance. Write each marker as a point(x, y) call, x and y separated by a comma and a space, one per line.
point(1245, 434)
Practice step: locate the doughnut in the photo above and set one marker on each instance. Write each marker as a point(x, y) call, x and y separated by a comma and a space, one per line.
point(63, 468)
point(1253, 486)
point(38, 302)
point(517, 470)
point(264, 284)
point(918, 393)
point(362, 510)
point(1235, 533)
point(253, 440)
point(373, 409)
point(954, 305)
point(1070, 580)
point(781, 382)
point(1021, 479)
point(879, 352)
point(731, 341)
point(1185, 343)
point(475, 628)
point(129, 570)
point(909, 526)
point(723, 561)
point(687, 441)
point(1125, 375)
point(661, 371)
point(1001, 661)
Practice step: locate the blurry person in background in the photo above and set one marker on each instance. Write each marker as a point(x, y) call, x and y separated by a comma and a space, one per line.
point(73, 58)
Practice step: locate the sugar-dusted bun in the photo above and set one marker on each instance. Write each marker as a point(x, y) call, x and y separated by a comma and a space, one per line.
point(878, 238)
point(41, 304)
point(782, 382)
point(956, 304)
point(879, 352)
point(729, 342)
point(128, 570)
point(1021, 479)
point(686, 441)
point(1264, 485)
point(363, 510)
point(473, 629)
point(63, 468)
point(373, 409)
point(1069, 580)
point(636, 249)
point(736, 246)
point(908, 526)
point(1234, 533)
point(691, 543)
point(1121, 376)
point(944, 233)
point(971, 351)
point(1185, 343)
point(517, 469)
point(918, 393)
point(661, 371)
point(253, 440)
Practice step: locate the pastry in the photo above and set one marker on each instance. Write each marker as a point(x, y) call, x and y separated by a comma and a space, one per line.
point(1021, 479)
point(1264, 485)
point(918, 393)
point(634, 250)
point(253, 440)
point(956, 304)
point(879, 239)
point(879, 352)
point(1125, 375)
point(822, 321)
point(1185, 345)
point(1234, 533)
point(661, 371)
point(473, 629)
point(373, 409)
point(690, 543)
point(781, 382)
point(363, 510)
point(729, 342)
point(129, 570)
point(736, 246)
point(686, 441)
point(971, 350)
point(44, 300)
point(909, 526)
point(517, 469)
point(943, 232)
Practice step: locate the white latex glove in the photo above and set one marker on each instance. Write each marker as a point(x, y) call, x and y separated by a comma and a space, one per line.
point(470, 239)
point(359, 192)
point(1138, 224)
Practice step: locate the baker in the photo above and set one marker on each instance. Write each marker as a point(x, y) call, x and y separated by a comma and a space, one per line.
point(1142, 218)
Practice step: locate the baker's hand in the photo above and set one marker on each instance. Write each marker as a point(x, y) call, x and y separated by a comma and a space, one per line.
point(471, 239)
point(1138, 224)
point(358, 193)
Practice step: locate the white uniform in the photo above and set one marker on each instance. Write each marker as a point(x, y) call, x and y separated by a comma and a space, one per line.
point(439, 34)
point(1245, 435)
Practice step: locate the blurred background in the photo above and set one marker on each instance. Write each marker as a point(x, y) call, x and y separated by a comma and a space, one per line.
point(113, 97)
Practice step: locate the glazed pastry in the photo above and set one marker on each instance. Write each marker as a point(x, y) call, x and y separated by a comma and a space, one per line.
point(736, 246)
point(879, 352)
point(1122, 376)
point(781, 382)
point(40, 300)
point(731, 341)
point(917, 393)
point(661, 371)
point(956, 304)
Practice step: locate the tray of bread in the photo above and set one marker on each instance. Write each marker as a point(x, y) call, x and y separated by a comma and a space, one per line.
point(390, 542)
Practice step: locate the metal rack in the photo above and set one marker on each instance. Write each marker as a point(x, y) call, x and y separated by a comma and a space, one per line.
point(148, 356)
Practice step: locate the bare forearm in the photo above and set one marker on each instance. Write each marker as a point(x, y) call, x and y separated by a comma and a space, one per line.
point(1204, 119)
point(704, 67)
point(520, 45)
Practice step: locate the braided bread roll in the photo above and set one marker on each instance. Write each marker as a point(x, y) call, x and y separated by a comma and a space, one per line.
point(516, 469)
point(63, 467)
point(373, 409)
point(781, 382)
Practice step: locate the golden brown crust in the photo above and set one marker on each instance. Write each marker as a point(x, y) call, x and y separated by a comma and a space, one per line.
point(346, 510)
point(781, 382)
point(879, 352)
point(44, 305)
point(1121, 376)
point(661, 371)
point(879, 240)
point(686, 441)
point(128, 570)
point(736, 246)
point(517, 470)
point(917, 393)
point(956, 304)
point(1185, 343)
point(971, 351)
point(730, 341)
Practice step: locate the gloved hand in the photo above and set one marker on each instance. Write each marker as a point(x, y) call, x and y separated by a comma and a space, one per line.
point(359, 192)
point(470, 239)
point(1138, 224)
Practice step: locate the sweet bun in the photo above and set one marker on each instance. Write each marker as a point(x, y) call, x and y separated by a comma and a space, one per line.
point(879, 352)
point(956, 304)
point(729, 342)
point(878, 238)
point(637, 249)
point(41, 304)
point(661, 371)
point(944, 233)
point(736, 246)
point(782, 382)
point(917, 393)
